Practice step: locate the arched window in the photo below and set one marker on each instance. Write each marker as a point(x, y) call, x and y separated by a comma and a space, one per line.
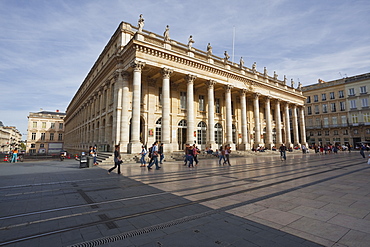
point(158, 130)
point(218, 133)
point(234, 133)
point(202, 133)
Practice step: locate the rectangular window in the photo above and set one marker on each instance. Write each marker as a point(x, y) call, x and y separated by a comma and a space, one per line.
point(324, 108)
point(317, 109)
point(367, 118)
point(34, 124)
point(363, 90)
point(344, 120)
point(355, 131)
point(351, 92)
point(52, 126)
point(334, 120)
point(308, 100)
point(183, 100)
point(201, 103)
point(33, 145)
point(218, 106)
point(33, 137)
point(43, 136)
point(323, 96)
point(309, 122)
point(336, 132)
point(341, 94)
point(327, 132)
point(354, 118)
point(353, 104)
point(42, 145)
point(159, 95)
point(332, 96)
point(60, 137)
point(43, 125)
point(309, 110)
point(319, 133)
point(60, 126)
point(365, 102)
point(342, 106)
point(345, 132)
point(315, 98)
point(326, 122)
point(51, 136)
point(333, 107)
point(318, 123)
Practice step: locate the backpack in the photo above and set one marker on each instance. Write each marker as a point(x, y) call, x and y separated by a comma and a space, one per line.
point(150, 152)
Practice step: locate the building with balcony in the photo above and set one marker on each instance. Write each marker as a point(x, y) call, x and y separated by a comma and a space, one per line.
point(337, 112)
point(10, 138)
point(146, 87)
point(45, 134)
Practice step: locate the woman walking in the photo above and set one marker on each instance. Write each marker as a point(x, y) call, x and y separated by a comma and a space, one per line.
point(117, 161)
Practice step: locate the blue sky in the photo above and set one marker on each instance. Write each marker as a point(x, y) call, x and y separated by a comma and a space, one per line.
point(48, 47)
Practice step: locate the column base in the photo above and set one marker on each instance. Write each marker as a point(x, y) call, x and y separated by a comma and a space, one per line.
point(133, 148)
point(245, 146)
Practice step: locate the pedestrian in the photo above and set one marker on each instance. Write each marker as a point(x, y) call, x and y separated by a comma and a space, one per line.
point(117, 160)
point(154, 154)
point(186, 154)
point(143, 154)
point(95, 155)
point(221, 155)
point(92, 154)
point(161, 154)
point(190, 156)
point(362, 149)
point(195, 154)
point(15, 155)
point(282, 150)
point(227, 154)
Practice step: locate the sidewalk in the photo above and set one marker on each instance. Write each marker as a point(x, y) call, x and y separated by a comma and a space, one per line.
point(308, 200)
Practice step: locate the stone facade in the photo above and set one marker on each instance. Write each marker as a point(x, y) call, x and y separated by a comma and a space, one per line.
point(145, 87)
point(10, 138)
point(45, 132)
point(337, 112)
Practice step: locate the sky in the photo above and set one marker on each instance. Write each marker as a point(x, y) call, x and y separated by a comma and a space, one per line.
point(48, 47)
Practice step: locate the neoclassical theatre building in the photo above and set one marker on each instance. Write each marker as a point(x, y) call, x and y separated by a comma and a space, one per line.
point(146, 87)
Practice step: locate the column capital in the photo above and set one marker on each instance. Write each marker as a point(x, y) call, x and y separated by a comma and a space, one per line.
point(210, 83)
point(243, 92)
point(166, 72)
point(190, 78)
point(228, 87)
point(256, 95)
point(137, 65)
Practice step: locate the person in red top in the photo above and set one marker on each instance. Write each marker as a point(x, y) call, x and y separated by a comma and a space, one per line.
point(15, 156)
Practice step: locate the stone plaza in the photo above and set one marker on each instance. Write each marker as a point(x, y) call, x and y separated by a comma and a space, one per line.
point(307, 200)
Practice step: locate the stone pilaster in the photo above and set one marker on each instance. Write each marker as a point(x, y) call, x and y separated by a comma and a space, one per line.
point(288, 140)
point(257, 123)
point(268, 141)
point(229, 127)
point(279, 137)
point(243, 102)
point(166, 109)
point(295, 126)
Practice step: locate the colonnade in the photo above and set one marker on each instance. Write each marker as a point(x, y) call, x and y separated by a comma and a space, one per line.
point(106, 116)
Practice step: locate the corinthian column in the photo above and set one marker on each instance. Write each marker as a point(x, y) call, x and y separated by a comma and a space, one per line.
point(135, 145)
point(303, 126)
point(257, 126)
point(166, 106)
point(211, 115)
point(190, 108)
point(295, 126)
point(288, 140)
point(117, 108)
point(243, 103)
point(279, 138)
point(125, 122)
point(269, 143)
point(229, 118)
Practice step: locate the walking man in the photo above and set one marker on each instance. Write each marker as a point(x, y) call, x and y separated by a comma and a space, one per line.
point(117, 160)
point(282, 150)
point(154, 157)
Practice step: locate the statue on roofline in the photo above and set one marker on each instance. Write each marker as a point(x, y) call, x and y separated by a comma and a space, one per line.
point(141, 23)
point(241, 63)
point(166, 34)
point(209, 49)
point(190, 42)
point(226, 56)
